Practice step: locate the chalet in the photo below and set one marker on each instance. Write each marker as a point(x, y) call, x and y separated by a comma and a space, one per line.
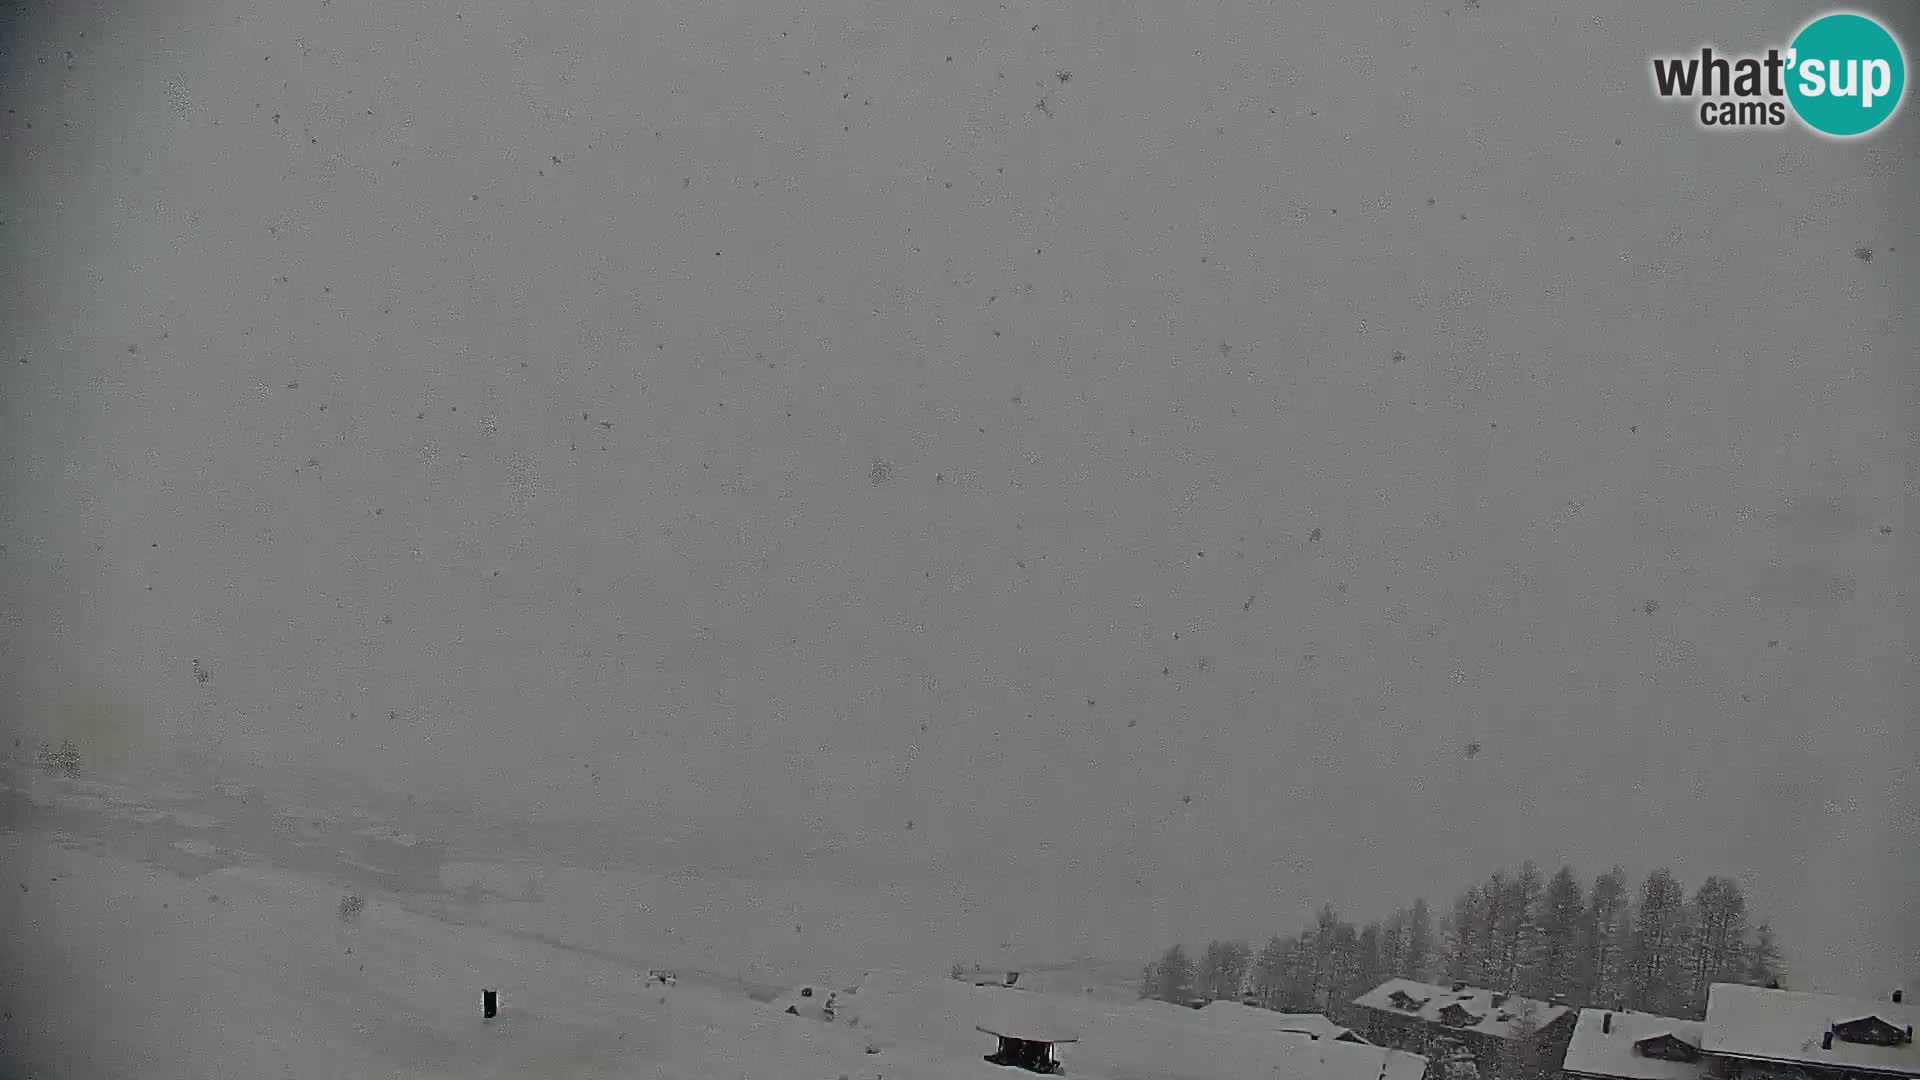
point(1501, 1030)
point(1621, 1045)
point(1026, 1047)
point(1755, 1033)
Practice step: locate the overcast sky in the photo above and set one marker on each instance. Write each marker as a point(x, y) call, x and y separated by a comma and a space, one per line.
point(781, 423)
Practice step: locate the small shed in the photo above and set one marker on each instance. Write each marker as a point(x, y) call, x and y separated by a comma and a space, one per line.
point(1028, 1048)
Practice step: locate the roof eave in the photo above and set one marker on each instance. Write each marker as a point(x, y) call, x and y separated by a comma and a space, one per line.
point(1803, 1063)
point(1584, 1075)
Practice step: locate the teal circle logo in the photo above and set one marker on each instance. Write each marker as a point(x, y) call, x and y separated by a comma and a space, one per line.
point(1847, 74)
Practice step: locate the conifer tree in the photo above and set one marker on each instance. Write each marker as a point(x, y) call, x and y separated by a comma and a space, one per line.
point(1656, 979)
point(1173, 975)
point(1418, 960)
point(1604, 940)
point(1763, 963)
point(1562, 910)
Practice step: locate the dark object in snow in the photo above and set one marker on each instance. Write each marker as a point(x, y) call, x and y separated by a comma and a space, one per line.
point(64, 761)
point(1031, 1053)
point(350, 906)
point(489, 1003)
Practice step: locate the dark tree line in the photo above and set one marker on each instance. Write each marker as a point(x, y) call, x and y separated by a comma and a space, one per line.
point(1603, 943)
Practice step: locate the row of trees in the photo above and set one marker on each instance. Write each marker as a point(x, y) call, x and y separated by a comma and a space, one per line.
point(1598, 943)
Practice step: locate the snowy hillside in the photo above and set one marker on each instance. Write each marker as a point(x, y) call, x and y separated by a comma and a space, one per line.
point(246, 972)
point(250, 971)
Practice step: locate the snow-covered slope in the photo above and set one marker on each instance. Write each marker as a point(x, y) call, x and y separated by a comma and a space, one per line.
point(124, 968)
point(120, 969)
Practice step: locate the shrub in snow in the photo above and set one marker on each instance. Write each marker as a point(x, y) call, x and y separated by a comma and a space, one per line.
point(64, 761)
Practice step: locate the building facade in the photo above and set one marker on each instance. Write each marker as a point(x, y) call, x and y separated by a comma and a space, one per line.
point(1505, 1034)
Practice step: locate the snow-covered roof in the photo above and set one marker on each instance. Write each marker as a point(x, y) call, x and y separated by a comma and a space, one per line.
point(1788, 1026)
point(1606, 1047)
point(1301, 1059)
point(1241, 1017)
point(1024, 1016)
point(1429, 1003)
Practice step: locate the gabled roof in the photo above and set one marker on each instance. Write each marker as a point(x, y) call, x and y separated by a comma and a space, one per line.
point(1621, 1051)
point(1875, 1030)
point(1471, 1008)
point(1788, 1027)
point(1032, 1017)
point(1029, 1034)
point(1667, 1048)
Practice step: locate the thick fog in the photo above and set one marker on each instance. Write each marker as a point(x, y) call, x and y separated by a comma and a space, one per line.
point(1060, 476)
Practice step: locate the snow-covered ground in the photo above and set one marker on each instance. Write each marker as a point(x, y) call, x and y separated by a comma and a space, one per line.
point(763, 927)
point(251, 970)
point(162, 938)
